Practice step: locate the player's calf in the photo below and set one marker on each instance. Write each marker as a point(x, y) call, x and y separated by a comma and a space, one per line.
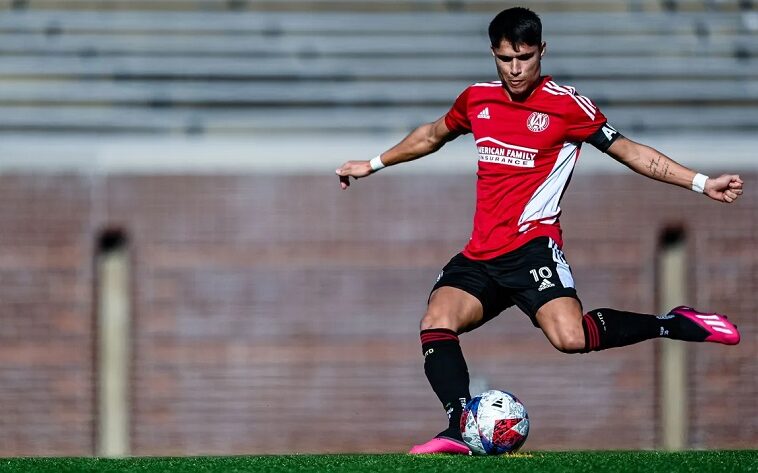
point(446, 370)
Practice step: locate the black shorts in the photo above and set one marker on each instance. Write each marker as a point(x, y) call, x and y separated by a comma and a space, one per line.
point(528, 277)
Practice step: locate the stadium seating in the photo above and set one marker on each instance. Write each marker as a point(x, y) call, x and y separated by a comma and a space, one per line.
point(229, 67)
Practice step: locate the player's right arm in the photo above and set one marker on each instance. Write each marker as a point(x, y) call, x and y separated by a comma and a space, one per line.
point(424, 140)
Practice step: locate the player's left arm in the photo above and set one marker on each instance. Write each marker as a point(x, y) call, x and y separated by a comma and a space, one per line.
point(652, 163)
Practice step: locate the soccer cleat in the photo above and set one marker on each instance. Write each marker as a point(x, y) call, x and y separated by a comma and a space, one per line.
point(441, 445)
point(718, 328)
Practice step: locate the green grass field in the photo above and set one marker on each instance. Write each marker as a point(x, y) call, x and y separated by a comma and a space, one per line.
point(584, 462)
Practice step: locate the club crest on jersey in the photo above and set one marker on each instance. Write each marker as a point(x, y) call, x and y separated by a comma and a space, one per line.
point(538, 122)
point(496, 151)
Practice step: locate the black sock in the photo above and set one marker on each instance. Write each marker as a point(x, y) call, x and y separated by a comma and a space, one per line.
point(608, 328)
point(447, 372)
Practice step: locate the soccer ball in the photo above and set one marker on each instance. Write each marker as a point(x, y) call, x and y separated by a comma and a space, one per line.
point(494, 422)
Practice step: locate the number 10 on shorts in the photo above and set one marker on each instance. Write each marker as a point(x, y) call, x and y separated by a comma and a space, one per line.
point(544, 273)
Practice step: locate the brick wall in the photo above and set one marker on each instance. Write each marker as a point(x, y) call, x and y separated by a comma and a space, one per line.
point(278, 314)
point(46, 357)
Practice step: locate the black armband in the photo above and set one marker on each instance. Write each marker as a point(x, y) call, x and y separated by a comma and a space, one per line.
point(604, 137)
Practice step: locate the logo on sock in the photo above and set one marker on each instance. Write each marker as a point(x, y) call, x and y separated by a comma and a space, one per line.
point(665, 317)
point(428, 352)
point(664, 332)
point(600, 318)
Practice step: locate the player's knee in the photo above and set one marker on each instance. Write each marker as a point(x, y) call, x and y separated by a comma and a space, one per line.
point(569, 339)
point(435, 318)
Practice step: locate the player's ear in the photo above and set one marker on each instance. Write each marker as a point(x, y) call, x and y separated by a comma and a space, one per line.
point(543, 48)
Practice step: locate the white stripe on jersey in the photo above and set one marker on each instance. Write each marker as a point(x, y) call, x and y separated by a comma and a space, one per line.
point(590, 112)
point(552, 92)
point(584, 103)
point(545, 202)
point(552, 85)
point(560, 89)
point(488, 84)
point(588, 109)
point(564, 271)
point(568, 90)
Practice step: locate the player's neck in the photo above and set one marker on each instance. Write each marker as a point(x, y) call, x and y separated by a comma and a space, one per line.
point(524, 95)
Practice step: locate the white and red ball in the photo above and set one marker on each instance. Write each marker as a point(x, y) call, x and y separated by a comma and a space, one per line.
point(494, 422)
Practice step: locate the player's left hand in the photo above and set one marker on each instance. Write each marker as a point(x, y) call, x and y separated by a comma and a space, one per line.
point(725, 188)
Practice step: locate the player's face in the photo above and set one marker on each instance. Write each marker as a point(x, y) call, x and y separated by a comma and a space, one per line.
point(518, 67)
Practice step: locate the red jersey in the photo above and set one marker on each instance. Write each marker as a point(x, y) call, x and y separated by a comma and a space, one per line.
point(527, 151)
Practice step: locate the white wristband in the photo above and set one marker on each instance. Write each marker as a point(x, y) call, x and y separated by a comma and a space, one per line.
point(376, 163)
point(698, 183)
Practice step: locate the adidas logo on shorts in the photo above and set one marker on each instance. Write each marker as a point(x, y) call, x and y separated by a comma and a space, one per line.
point(545, 285)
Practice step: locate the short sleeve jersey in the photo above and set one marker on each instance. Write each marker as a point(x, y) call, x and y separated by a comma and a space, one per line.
point(527, 152)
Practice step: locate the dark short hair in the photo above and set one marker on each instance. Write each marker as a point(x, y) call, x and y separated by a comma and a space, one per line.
point(516, 25)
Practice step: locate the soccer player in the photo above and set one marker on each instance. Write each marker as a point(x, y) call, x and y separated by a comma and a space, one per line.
point(528, 130)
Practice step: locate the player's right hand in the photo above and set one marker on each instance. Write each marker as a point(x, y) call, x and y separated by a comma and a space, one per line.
point(354, 169)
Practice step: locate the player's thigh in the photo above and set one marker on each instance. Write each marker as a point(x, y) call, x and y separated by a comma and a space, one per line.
point(561, 321)
point(452, 308)
point(464, 297)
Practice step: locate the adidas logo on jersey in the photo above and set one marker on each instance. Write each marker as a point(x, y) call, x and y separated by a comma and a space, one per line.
point(484, 113)
point(545, 285)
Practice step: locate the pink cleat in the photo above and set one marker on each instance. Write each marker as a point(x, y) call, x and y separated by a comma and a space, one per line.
point(441, 445)
point(720, 330)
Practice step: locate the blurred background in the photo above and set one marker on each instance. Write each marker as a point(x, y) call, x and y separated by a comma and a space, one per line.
point(180, 273)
